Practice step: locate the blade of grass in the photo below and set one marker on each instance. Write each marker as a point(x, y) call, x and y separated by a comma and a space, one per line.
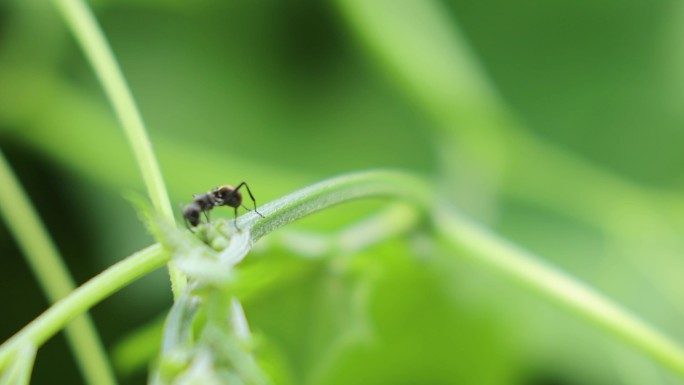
point(53, 276)
point(91, 38)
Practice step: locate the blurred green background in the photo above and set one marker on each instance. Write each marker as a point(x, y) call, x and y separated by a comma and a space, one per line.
point(565, 137)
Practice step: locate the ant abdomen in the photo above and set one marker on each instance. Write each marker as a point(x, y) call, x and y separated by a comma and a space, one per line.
point(191, 213)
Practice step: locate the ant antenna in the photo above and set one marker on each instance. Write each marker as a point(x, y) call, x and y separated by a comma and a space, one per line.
point(248, 209)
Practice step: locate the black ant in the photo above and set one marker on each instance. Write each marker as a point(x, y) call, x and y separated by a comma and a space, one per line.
point(220, 196)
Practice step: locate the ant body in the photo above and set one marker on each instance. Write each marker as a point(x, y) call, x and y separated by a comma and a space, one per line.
point(220, 196)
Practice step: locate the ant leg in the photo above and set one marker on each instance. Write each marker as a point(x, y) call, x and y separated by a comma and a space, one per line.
point(235, 220)
point(206, 215)
point(250, 195)
point(248, 209)
point(186, 225)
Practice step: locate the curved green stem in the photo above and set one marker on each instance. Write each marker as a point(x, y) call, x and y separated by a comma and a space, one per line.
point(52, 274)
point(332, 191)
point(89, 35)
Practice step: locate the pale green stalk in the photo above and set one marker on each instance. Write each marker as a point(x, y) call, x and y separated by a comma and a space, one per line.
point(53, 276)
point(91, 38)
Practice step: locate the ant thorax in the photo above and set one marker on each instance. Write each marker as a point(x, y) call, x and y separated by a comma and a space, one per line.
point(227, 196)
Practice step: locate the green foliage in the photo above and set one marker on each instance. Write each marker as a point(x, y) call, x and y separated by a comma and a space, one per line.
point(534, 238)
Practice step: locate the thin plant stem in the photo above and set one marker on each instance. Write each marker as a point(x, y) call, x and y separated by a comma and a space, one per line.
point(91, 38)
point(53, 276)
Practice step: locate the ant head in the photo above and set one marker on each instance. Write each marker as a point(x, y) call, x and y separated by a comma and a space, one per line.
point(227, 196)
point(192, 213)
